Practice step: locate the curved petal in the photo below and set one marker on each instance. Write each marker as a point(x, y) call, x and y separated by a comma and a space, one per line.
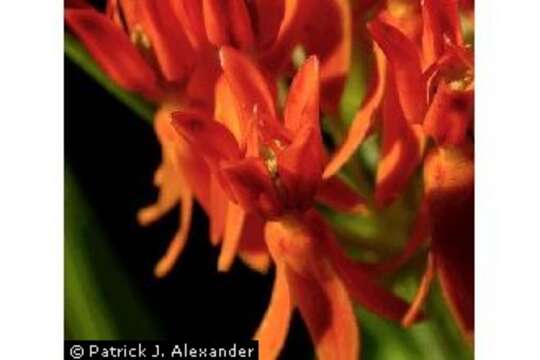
point(421, 293)
point(190, 14)
point(234, 226)
point(113, 51)
point(318, 291)
point(253, 250)
point(274, 327)
point(363, 119)
point(215, 22)
point(449, 188)
point(402, 148)
point(240, 25)
point(404, 59)
point(218, 211)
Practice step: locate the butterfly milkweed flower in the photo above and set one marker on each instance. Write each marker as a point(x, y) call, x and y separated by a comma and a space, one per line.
point(273, 167)
point(422, 87)
point(167, 51)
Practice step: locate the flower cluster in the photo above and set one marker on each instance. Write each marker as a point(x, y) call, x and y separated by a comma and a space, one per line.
point(256, 161)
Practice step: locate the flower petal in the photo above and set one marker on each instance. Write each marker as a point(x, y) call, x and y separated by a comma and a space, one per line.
point(250, 185)
point(404, 59)
point(240, 25)
point(274, 327)
point(300, 168)
point(253, 250)
point(402, 147)
point(318, 291)
point(363, 119)
point(337, 195)
point(113, 51)
point(421, 293)
point(331, 41)
point(302, 106)
point(215, 22)
point(168, 39)
point(212, 140)
point(450, 115)
point(248, 84)
point(357, 280)
point(234, 226)
point(218, 210)
point(449, 188)
point(268, 16)
point(190, 15)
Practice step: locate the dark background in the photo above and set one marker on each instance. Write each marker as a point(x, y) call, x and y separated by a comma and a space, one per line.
point(113, 154)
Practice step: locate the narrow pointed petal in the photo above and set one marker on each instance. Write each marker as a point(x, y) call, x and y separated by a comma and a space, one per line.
point(319, 293)
point(449, 188)
point(176, 246)
point(302, 106)
point(168, 39)
point(363, 119)
point(253, 250)
point(248, 84)
point(331, 41)
point(251, 187)
point(339, 196)
point(112, 50)
point(213, 140)
point(421, 293)
point(274, 327)
point(402, 148)
point(450, 115)
point(218, 211)
point(190, 14)
point(241, 28)
point(215, 22)
point(234, 226)
point(404, 60)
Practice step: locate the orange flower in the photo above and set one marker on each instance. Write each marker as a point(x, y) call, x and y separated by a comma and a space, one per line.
point(166, 50)
point(273, 168)
point(424, 85)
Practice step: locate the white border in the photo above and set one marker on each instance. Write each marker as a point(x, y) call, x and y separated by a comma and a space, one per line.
point(31, 180)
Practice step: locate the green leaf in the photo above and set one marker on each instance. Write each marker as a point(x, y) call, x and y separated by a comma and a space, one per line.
point(100, 301)
point(76, 52)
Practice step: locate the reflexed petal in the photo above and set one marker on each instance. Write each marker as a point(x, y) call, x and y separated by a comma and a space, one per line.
point(331, 41)
point(339, 196)
point(402, 147)
point(318, 291)
point(218, 210)
point(303, 100)
point(190, 14)
point(274, 327)
point(404, 59)
point(363, 119)
point(449, 187)
point(253, 250)
point(168, 39)
point(234, 226)
point(112, 50)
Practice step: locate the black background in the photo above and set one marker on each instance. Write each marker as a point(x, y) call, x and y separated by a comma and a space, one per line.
point(113, 154)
